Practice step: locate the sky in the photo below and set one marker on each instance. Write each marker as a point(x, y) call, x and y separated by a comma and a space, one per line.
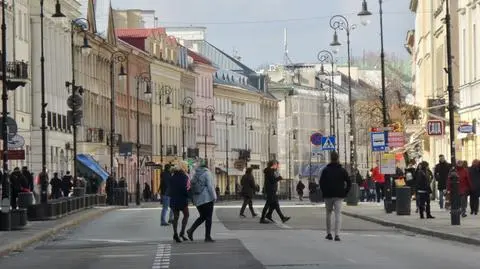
point(255, 28)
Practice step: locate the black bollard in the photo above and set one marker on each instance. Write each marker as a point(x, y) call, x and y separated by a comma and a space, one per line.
point(388, 204)
point(43, 187)
point(455, 203)
point(137, 193)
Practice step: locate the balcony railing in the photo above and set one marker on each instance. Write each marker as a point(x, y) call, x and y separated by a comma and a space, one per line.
point(16, 70)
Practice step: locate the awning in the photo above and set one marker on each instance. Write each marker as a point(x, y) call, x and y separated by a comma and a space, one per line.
point(316, 169)
point(87, 166)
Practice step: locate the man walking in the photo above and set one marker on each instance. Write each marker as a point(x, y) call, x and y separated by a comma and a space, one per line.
point(165, 179)
point(335, 184)
point(272, 177)
point(441, 172)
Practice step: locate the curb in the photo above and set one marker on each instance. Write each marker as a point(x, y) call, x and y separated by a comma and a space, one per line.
point(418, 230)
point(24, 243)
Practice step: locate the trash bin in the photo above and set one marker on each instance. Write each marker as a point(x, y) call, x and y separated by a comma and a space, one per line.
point(352, 196)
point(404, 201)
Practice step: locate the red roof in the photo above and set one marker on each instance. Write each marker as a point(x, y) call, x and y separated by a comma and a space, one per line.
point(139, 33)
point(198, 58)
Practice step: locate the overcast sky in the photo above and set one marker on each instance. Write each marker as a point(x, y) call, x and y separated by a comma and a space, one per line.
point(255, 27)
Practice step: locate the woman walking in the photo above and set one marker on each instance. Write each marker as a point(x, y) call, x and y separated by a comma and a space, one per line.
point(203, 197)
point(248, 190)
point(178, 191)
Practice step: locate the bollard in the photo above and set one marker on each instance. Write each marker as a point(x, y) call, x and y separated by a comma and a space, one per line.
point(388, 204)
point(455, 203)
point(352, 196)
point(19, 218)
point(404, 201)
point(6, 221)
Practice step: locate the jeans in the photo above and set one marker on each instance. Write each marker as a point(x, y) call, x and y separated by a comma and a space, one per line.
point(206, 213)
point(441, 198)
point(333, 205)
point(424, 203)
point(165, 207)
point(247, 201)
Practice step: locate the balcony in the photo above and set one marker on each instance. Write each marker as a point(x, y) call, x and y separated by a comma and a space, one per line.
point(16, 70)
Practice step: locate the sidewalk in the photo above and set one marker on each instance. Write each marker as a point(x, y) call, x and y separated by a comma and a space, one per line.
point(468, 232)
point(39, 230)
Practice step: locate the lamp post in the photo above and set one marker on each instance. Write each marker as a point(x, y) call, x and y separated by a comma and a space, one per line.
point(208, 109)
point(230, 115)
point(324, 57)
point(75, 101)
point(141, 78)
point(164, 90)
point(116, 57)
point(339, 23)
point(292, 135)
point(247, 128)
point(43, 114)
point(187, 101)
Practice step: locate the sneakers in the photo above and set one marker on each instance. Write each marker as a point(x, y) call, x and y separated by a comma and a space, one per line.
point(285, 219)
point(330, 237)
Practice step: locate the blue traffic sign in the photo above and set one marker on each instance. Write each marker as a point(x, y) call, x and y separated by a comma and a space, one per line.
point(328, 143)
point(316, 139)
point(379, 141)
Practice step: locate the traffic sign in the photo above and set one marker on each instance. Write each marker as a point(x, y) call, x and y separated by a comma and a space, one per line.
point(328, 143)
point(465, 128)
point(435, 127)
point(17, 141)
point(396, 139)
point(378, 140)
point(316, 139)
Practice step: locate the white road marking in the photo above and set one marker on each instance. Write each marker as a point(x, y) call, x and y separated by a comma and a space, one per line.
point(283, 225)
point(197, 253)
point(231, 207)
point(123, 256)
point(162, 257)
point(107, 240)
point(351, 260)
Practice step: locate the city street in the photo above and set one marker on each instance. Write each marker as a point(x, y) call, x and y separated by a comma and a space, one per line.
point(133, 238)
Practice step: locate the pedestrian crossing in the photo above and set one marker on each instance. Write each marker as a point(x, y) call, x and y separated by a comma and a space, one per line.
point(162, 257)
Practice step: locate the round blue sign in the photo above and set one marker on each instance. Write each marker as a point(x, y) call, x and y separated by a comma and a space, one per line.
point(316, 139)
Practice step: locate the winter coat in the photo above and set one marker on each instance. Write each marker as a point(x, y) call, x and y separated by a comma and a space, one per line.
point(464, 181)
point(474, 173)
point(248, 185)
point(178, 190)
point(422, 181)
point(334, 181)
point(441, 171)
point(202, 189)
point(272, 177)
point(377, 175)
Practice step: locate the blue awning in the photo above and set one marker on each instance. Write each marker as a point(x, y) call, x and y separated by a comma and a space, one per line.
point(87, 166)
point(315, 170)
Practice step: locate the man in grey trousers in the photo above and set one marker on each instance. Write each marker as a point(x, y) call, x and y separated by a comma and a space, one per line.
point(335, 185)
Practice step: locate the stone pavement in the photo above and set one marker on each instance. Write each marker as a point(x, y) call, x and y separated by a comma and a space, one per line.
point(468, 232)
point(35, 231)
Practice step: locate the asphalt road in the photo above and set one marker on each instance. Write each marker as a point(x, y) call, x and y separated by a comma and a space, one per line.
point(133, 238)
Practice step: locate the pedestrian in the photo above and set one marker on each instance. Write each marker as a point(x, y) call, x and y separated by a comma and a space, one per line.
point(464, 185)
point(441, 172)
point(18, 184)
point(379, 179)
point(203, 197)
point(178, 193)
point(335, 183)
point(165, 179)
point(475, 191)
point(66, 184)
point(272, 177)
point(423, 190)
point(56, 184)
point(300, 188)
point(248, 190)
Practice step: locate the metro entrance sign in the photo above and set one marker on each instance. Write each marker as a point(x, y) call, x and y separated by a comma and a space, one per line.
point(435, 127)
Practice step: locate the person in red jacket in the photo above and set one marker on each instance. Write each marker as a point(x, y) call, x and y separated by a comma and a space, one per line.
point(464, 186)
point(379, 179)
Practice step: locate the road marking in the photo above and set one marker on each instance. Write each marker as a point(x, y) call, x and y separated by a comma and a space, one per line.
point(351, 260)
point(231, 207)
point(282, 225)
point(162, 257)
point(123, 256)
point(107, 240)
point(197, 253)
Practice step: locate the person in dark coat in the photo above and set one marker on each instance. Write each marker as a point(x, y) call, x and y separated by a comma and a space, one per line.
point(56, 184)
point(29, 177)
point(272, 177)
point(423, 190)
point(464, 187)
point(475, 190)
point(441, 172)
point(18, 184)
point(110, 185)
point(248, 191)
point(178, 192)
point(335, 183)
point(300, 188)
point(66, 184)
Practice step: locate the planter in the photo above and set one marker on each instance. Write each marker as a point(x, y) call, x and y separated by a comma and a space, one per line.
point(25, 199)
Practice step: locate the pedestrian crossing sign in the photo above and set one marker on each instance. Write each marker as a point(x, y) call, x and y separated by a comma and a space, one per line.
point(328, 143)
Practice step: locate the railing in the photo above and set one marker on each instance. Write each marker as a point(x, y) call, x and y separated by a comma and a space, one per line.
point(16, 70)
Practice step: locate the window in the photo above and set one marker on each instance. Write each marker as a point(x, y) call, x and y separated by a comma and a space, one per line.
point(49, 119)
point(475, 60)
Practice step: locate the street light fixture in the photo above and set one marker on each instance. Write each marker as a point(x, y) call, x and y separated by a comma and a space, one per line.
point(187, 101)
point(324, 57)
point(293, 136)
point(141, 78)
point(247, 128)
point(116, 57)
point(230, 115)
point(271, 132)
point(164, 90)
point(340, 23)
point(208, 109)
